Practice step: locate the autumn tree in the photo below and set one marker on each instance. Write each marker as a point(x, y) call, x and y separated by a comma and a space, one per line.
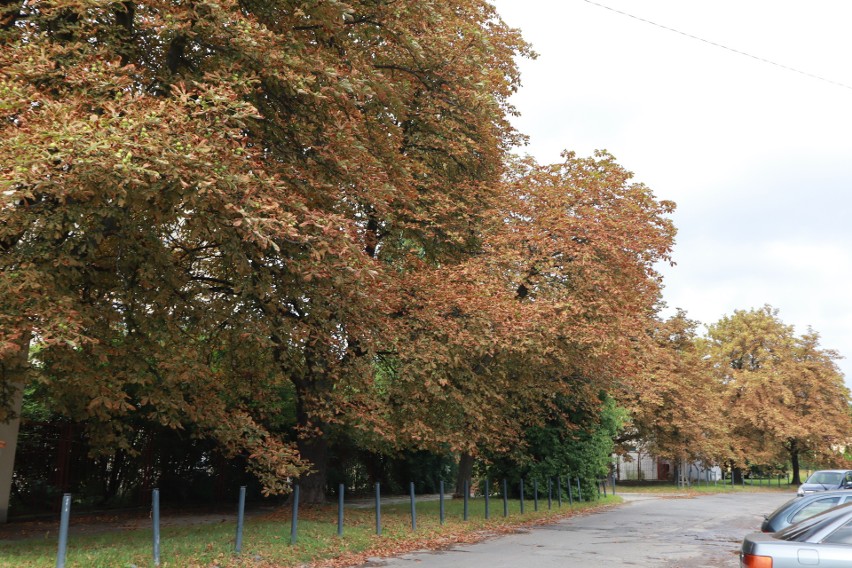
point(677, 411)
point(546, 317)
point(207, 208)
point(204, 202)
point(784, 394)
point(820, 399)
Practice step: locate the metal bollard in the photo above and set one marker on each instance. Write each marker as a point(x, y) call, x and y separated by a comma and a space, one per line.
point(466, 498)
point(413, 508)
point(522, 495)
point(486, 492)
point(340, 493)
point(294, 523)
point(379, 509)
point(441, 502)
point(241, 511)
point(155, 514)
point(63, 531)
point(570, 493)
point(505, 498)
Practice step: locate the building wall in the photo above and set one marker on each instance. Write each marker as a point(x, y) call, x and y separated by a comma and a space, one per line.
point(641, 466)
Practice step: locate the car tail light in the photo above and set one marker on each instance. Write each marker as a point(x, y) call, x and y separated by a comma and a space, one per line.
point(753, 561)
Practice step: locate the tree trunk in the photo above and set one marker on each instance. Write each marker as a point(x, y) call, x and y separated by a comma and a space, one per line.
point(464, 474)
point(794, 461)
point(736, 475)
point(312, 485)
point(313, 447)
point(13, 370)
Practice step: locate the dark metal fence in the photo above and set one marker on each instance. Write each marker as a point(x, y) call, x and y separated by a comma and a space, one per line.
point(602, 485)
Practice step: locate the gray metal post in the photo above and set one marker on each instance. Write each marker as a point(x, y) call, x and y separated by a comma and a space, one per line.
point(241, 511)
point(340, 493)
point(294, 522)
point(549, 493)
point(63, 530)
point(155, 514)
point(466, 497)
point(505, 498)
point(486, 492)
point(441, 503)
point(522, 495)
point(559, 490)
point(570, 493)
point(379, 509)
point(579, 490)
point(413, 508)
point(535, 494)
point(612, 479)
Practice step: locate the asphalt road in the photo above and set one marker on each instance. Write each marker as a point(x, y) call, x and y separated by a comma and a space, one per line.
point(645, 531)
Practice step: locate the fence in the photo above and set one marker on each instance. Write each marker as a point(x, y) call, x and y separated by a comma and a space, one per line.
point(553, 490)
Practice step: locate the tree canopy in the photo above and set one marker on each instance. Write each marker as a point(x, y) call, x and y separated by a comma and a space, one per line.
point(784, 394)
point(209, 206)
point(276, 224)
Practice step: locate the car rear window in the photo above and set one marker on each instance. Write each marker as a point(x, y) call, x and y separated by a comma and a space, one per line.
point(817, 506)
point(802, 530)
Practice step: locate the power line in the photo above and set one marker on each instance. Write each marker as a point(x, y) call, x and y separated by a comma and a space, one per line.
point(714, 44)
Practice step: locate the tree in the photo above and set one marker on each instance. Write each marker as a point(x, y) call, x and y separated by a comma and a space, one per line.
point(578, 448)
point(202, 203)
point(783, 393)
point(551, 309)
point(820, 399)
point(209, 208)
point(678, 412)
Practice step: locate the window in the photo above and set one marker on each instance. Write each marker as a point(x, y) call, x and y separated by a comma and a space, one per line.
point(814, 507)
point(843, 535)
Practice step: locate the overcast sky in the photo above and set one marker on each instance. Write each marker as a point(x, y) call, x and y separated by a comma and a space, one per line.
point(757, 157)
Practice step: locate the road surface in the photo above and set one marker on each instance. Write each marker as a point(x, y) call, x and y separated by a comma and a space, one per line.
point(645, 531)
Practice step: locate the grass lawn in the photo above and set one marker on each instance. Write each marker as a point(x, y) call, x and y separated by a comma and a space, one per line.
point(266, 539)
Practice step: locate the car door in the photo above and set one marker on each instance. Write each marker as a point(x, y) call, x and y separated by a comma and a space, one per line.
point(835, 550)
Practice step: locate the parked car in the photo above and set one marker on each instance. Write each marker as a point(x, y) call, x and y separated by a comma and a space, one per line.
point(824, 540)
point(826, 480)
point(801, 508)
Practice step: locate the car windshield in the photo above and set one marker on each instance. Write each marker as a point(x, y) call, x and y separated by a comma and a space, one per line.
point(825, 477)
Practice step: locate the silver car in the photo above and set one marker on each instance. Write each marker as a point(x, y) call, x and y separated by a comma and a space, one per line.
point(824, 540)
